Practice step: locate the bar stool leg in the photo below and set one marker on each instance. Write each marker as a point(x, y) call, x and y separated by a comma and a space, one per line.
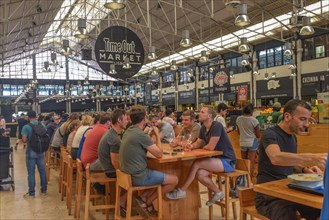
point(227, 198)
point(87, 200)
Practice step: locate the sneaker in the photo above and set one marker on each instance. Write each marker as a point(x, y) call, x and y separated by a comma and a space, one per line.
point(176, 194)
point(28, 196)
point(216, 197)
point(43, 193)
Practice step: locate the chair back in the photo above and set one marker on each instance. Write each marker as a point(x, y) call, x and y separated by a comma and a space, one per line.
point(79, 166)
point(247, 197)
point(123, 179)
point(243, 164)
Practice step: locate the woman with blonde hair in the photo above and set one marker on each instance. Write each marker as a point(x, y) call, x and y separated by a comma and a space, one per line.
point(86, 123)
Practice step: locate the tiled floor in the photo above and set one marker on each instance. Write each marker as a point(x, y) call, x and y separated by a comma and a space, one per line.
point(14, 206)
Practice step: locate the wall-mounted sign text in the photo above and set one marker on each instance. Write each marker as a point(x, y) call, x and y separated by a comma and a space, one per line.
point(114, 45)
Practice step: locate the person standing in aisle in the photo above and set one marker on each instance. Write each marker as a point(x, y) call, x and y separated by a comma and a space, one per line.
point(33, 158)
point(21, 122)
point(249, 131)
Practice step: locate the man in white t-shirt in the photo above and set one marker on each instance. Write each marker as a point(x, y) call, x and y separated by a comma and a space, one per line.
point(221, 114)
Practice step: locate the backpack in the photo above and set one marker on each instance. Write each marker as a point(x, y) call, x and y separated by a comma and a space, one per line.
point(82, 141)
point(39, 141)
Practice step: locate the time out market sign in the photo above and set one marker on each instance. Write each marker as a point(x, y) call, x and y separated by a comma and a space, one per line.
point(114, 45)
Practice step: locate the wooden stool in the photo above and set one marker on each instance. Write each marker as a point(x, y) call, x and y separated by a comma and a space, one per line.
point(124, 182)
point(247, 204)
point(80, 181)
point(51, 161)
point(69, 176)
point(64, 177)
point(242, 168)
point(97, 177)
point(61, 168)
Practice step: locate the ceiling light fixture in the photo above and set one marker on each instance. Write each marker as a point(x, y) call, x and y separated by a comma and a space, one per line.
point(204, 57)
point(244, 47)
point(86, 82)
point(293, 73)
point(173, 65)
point(307, 28)
point(288, 49)
point(53, 57)
point(242, 19)
point(151, 55)
point(82, 31)
point(186, 41)
point(266, 76)
point(292, 64)
point(189, 72)
point(112, 70)
point(154, 71)
point(126, 64)
point(115, 4)
point(245, 60)
point(46, 67)
point(256, 72)
point(66, 50)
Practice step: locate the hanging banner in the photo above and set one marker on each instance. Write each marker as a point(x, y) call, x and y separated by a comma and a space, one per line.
point(243, 93)
point(221, 80)
point(114, 45)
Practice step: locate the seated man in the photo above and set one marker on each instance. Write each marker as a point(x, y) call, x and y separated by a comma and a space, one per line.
point(109, 145)
point(167, 133)
point(212, 137)
point(190, 129)
point(134, 146)
point(108, 148)
point(278, 158)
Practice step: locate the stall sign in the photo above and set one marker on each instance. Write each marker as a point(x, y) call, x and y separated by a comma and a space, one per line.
point(221, 80)
point(114, 45)
point(274, 88)
point(313, 83)
point(169, 99)
point(243, 93)
point(186, 97)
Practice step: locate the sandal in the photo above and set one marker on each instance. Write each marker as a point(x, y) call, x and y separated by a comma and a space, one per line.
point(142, 207)
point(152, 211)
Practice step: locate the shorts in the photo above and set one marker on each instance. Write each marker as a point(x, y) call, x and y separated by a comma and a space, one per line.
point(227, 166)
point(153, 177)
point(254, 146)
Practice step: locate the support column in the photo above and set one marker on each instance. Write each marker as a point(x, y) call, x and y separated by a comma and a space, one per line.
point(253, 87)
point(299, 69)
point(176, 90)
point(35, 105)
point(160, 92)
point(197, 73)
point(67, 87)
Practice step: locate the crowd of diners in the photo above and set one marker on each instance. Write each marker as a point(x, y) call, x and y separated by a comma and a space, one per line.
point(122, 138)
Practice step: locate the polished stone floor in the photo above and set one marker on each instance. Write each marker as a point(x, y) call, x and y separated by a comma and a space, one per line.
point(14, 206)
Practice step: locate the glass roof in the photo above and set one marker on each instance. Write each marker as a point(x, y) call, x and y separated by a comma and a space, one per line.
point(65, 24)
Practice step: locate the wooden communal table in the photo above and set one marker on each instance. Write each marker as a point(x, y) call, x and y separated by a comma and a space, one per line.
point(179, 165)
point(279, 189)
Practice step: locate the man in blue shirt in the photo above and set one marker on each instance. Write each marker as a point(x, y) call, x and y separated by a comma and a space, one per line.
point(33, 158)
point(212, 137)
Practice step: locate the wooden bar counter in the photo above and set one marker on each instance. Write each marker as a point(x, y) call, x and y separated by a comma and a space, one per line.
point(179, 165)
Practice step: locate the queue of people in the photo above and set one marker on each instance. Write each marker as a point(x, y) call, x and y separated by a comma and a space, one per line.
point(121, 140)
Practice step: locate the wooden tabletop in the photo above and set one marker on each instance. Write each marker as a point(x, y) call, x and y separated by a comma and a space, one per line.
point(279, 189)
point(186, 155)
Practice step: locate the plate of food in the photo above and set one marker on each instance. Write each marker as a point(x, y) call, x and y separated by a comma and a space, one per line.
point(307, 179)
